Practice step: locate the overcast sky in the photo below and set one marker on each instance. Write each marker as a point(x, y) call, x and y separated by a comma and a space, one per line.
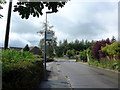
point(93, 20)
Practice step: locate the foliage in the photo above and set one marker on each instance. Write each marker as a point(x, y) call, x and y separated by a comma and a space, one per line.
point(12, 56)
point(96, 48)
point(51, 44)
point(59, 52)
point(77, 52)
point(3, 1)
point(77, 46)
point(26, 9)
point(26, 48)
point(20, 69)
point(105, 63)
point(70, 53)
point(113, 49)
point(83, 55)
point(113, 39)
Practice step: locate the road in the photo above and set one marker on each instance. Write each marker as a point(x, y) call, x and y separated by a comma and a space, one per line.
point(81, 75)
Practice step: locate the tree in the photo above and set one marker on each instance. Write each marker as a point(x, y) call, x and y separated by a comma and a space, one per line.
point(59, 51)
point(26, 48)
point(83, 55)
point(51, 45)
point(1, 14)
point(70, 53)
point(96, 48)
point(60, 43)
point(112, 50)
point(28, 8)
point(65, 43)
point(113, 39)
point(2, 2)
point(76, 41)
point(25, 9)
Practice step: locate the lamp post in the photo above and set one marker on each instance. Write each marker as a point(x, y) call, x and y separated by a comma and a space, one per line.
point(45, 48)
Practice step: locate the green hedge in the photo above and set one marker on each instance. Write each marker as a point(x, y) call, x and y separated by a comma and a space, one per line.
point(20, 70)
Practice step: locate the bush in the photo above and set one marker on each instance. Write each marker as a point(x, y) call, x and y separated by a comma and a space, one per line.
point(70, 53)
point(20, 70)
point(104, 63)
point(112, 50)
point(83, 55)
point(12, 56)
point(96, 48)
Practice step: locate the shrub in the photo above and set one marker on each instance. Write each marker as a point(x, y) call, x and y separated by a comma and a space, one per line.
point(83, 55)
point(104, 63)
point(70, 53)
point(20, 69)
point(12, 56)
point(96, 48)
point(112, 50)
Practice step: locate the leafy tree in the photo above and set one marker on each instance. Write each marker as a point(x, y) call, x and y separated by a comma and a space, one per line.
point(1, 14)
point(112, 50)
point(26, 48)
point(60, 43)
point(2, 2)
point(65, 43)
point(83, 55)
point(25, 9)
point(82, 42)
point(113, 39)
point(70, 53)
point(76, 41)
point(59, 51)
point(96, 48)
point(50, 45)
point(89, 54)
point(76, 45)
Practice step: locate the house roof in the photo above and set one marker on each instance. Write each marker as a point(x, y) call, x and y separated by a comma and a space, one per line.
point(35, 50)
point(16, 48)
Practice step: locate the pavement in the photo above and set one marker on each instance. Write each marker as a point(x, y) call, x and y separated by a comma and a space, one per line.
point(55, 80)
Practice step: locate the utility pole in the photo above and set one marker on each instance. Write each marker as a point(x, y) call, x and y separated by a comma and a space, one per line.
point(8, 25)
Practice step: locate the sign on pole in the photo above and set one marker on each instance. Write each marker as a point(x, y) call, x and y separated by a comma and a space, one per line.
point(49, 35)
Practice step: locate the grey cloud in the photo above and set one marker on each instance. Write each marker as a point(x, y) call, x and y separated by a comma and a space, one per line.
point(89, 30)
point(17, 43)
point(93, 28)
point(19, 25)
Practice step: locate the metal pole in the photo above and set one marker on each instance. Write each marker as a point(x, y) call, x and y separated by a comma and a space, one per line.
point(8, 25)
point(45, 73)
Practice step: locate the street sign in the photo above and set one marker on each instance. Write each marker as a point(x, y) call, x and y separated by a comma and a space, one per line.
point(49, 35)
